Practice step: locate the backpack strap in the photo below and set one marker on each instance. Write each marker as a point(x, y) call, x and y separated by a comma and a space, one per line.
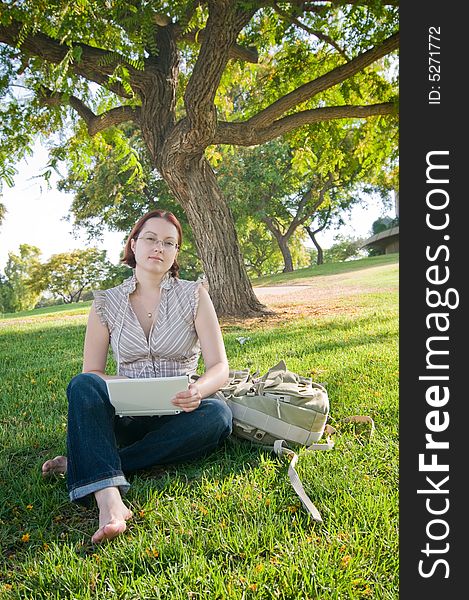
point(280, 450)
point(361, 419)
point(328, 430)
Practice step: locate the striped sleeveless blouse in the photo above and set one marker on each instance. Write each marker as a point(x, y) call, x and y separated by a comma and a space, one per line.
point(172, 347)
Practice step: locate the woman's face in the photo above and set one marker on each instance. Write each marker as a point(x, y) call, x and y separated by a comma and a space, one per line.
point(156, 245)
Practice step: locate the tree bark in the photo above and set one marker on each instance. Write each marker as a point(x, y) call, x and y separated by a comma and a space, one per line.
point(195, 187)
point(320, 258)
point(287, 257)
point(283, 240)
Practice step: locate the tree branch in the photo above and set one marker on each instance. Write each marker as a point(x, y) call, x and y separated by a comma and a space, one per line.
point(321, 6)
point(223, 25)
point(112, 117)
point(324, 82)
point(94, 64)
point(235, 51)
point(189, 12)
point(321, 36)
point(273, 226)
point(298, 219)
point(95, 123)
point(321, 227)
point(242, 134)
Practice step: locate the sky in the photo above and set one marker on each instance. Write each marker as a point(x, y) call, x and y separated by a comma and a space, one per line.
point(35, 216)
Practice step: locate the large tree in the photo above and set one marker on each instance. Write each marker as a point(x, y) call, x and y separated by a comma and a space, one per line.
point(167, 67)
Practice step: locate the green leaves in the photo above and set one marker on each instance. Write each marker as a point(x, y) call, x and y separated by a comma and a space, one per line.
point(69, 274)
point(7, 174)
point(97, 56)
point(19, 274)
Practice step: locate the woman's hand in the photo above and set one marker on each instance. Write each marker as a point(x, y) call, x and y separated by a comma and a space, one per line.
point(189, 399)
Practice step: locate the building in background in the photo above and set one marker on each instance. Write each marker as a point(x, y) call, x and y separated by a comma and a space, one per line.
point(386, 241)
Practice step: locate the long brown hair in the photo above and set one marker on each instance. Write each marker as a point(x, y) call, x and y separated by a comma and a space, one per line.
point(128, 257)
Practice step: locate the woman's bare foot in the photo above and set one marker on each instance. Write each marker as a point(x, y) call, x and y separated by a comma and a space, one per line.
point(55, 466)
point(113, 514)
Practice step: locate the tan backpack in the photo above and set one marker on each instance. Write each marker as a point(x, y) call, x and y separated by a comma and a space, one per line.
point(278, 408)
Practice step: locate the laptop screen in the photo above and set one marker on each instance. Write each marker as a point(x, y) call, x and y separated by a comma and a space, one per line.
point(146, 396)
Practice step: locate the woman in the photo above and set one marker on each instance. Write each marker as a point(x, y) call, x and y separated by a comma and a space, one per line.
point(157, 326)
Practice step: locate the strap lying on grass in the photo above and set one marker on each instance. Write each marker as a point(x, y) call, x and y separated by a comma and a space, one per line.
point(295, 480)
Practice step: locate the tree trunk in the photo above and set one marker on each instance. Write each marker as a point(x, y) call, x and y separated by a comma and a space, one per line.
point(320, 258)
point(210, 218)
point(287, 257)
point(177, 152)
point(282, 241)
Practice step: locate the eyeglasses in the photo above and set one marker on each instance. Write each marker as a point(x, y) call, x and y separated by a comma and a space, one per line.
point(153, 242)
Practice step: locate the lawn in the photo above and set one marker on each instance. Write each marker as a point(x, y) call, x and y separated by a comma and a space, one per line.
point(229, 526)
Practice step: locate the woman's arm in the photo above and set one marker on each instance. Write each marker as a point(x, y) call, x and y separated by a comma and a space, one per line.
point(96, 346)
point(213, 352)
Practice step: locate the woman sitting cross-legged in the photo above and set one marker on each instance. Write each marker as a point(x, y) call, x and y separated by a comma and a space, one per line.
point(157, 326)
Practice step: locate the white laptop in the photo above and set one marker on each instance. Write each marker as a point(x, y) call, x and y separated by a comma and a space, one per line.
point(146, 396)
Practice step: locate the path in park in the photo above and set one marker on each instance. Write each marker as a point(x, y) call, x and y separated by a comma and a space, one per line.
point(319, 295)
point(315, 290)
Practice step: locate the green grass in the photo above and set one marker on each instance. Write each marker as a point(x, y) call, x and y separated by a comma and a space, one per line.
point(229, 526)
point(50, 311)
point(328, 269)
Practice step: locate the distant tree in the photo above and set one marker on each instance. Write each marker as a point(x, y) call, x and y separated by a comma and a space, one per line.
point(322, 217)
point(47, 300)
point(345, 248)
point(110, 186)
point(261, 252)
point(106, 193)
point(6, 295)
point(103, 194)
point(382, 224)
point(18, 272)
point(314, 177)
point(68, 274)
point(115, 275)
point(3, 211)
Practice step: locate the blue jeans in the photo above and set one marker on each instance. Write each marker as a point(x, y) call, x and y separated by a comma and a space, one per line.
point(103, 448)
